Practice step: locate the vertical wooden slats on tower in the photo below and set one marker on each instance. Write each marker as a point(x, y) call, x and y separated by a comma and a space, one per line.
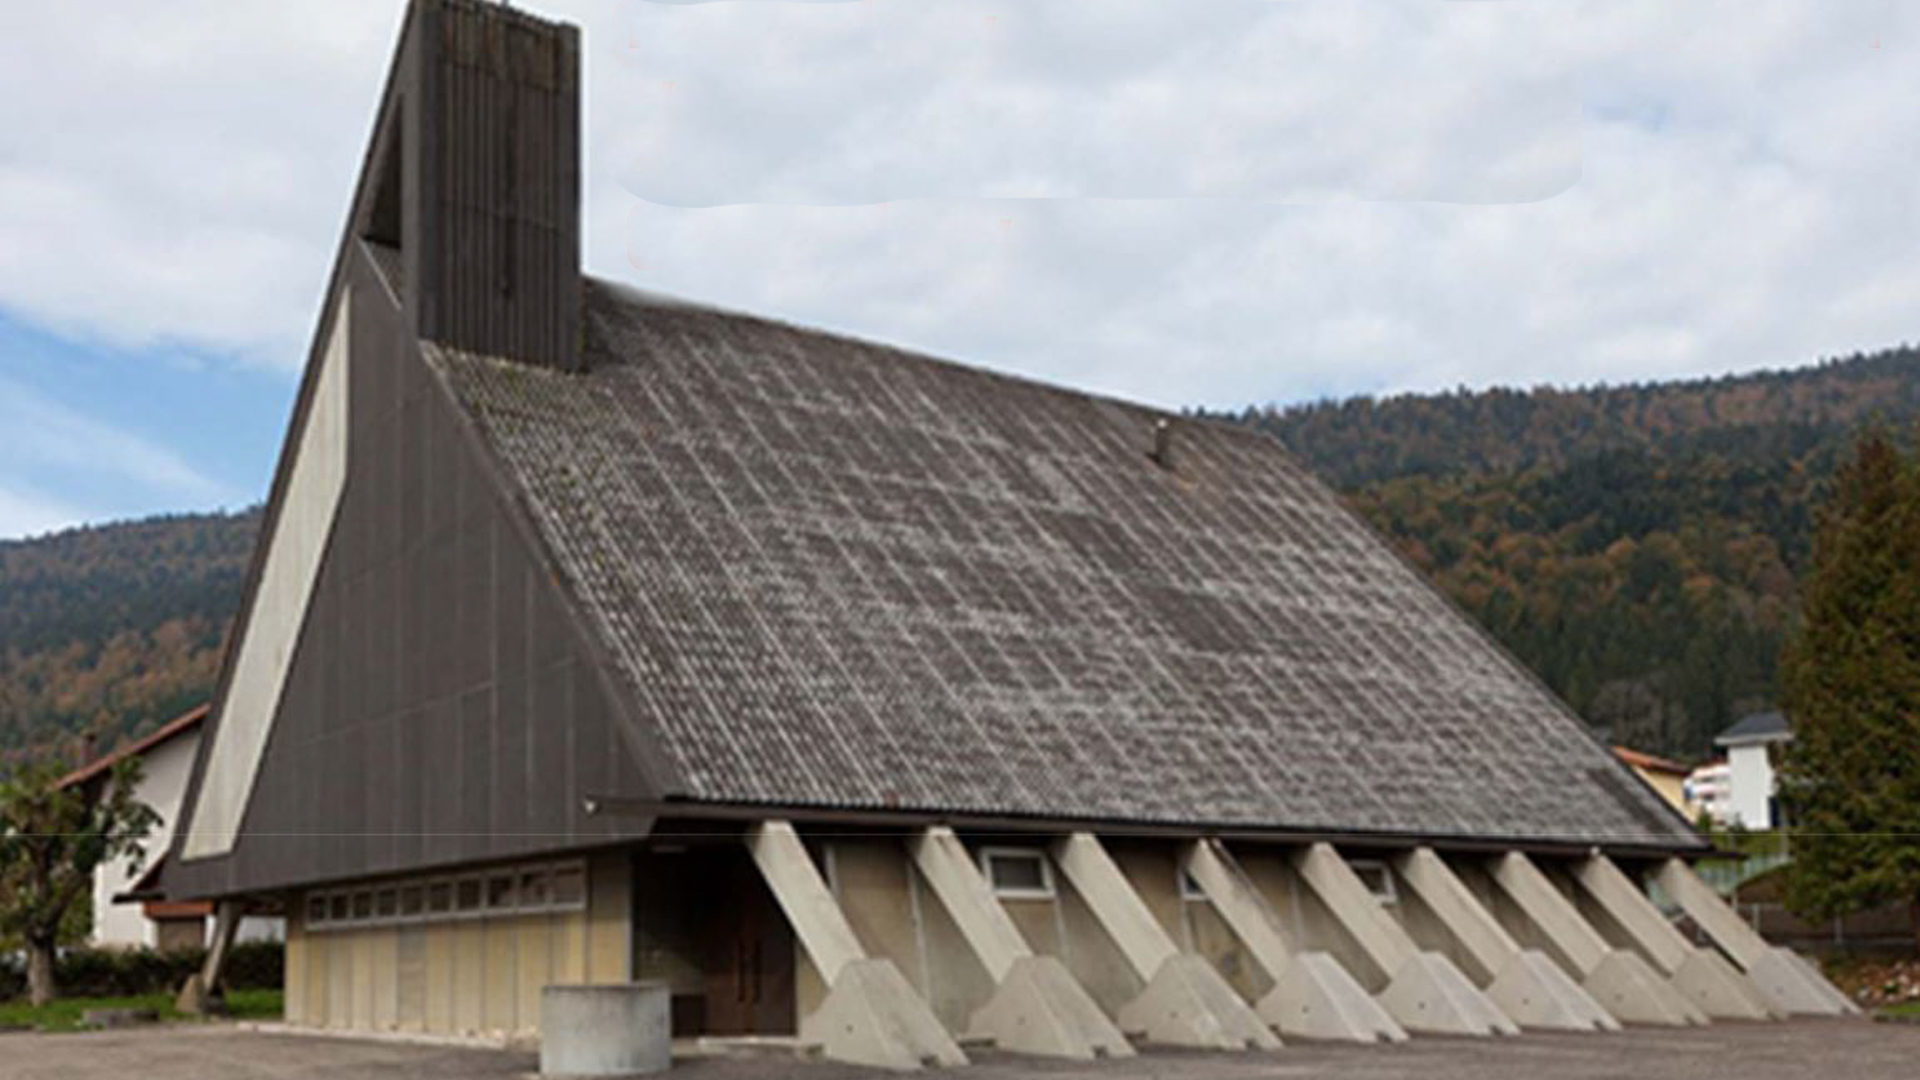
point(500, 214)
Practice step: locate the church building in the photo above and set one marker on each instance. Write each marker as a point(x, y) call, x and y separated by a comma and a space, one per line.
point(862, 698)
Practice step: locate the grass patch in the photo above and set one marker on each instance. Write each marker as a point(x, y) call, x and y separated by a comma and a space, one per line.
point(64, 1014)
point(1905, 1008)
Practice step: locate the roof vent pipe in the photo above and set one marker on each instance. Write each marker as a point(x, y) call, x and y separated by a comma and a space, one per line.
point(1163, 443)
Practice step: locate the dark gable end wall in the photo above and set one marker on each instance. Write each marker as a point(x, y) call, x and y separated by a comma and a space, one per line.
point(442, 706)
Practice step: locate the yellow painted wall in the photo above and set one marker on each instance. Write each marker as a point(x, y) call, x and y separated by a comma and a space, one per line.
point(1671, 787)
point(478, 977)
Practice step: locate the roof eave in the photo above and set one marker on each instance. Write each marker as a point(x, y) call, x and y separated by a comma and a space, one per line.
point(689, 809)
point(1753, 740)
point(186, 722)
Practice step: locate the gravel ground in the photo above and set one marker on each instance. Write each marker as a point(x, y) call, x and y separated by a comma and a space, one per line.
point(1837, 1049)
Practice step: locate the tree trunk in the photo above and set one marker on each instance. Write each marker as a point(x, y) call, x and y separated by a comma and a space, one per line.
point(40, 988)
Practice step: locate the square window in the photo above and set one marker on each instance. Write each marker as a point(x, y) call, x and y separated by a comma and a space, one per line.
point(467, 895)
point(362, 906)
point(316, 910)
point(439, 897)
point(1018, 873)
point(413, 901)
point(570, 886)
point(536, 888)
point(1377, 878)
point(501, 892)
point(386, 904)
point(339, 907)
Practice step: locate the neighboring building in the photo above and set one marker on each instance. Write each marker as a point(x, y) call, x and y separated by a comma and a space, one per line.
point(1665, 776)
point(596, 637)
point(1752, 792)
point(1710, 792)
point(166, 760)
point(1760, 899)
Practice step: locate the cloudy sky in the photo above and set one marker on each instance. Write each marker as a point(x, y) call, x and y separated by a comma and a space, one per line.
point(1189, 202)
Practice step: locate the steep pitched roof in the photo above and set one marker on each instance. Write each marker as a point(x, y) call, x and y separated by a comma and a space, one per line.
point(1650, 762)
point(833, 574)
point(1756, 727)
point(186, 722)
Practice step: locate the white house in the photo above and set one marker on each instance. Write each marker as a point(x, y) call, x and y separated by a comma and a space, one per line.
point(166, 761)
point(1709, 791)
point(1752, 793)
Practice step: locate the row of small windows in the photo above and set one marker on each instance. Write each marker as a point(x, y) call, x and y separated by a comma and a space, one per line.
point(1025, 874)
point(515, 890)
point(1014, 873)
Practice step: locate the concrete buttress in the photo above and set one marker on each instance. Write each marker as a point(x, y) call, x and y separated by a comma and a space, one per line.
point(871, 1015)
point(1036, 1007)
point(1186, 1002)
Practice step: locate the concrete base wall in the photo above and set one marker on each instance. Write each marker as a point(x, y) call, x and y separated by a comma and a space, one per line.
point(472, 977)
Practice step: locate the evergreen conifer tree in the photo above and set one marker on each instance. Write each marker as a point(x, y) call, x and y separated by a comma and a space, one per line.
point(1851, 680)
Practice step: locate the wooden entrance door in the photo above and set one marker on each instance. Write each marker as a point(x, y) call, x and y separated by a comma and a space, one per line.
point(750, 956)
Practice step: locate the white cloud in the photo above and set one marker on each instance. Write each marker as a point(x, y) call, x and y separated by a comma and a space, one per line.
point(900, 99)
point(175, 173)
point(25, 513)
point(48, 447)
point(1744, 194)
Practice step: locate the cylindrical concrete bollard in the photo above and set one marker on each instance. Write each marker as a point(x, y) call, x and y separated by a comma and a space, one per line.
point(620, 1030)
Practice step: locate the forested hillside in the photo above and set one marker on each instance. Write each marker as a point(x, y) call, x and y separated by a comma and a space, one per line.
point(111, 629)
point(1636, 546)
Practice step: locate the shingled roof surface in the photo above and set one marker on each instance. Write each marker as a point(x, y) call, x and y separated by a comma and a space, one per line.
point(834, 574)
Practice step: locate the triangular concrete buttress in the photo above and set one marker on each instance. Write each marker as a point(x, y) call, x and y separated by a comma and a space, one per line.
point(1792, 988)
point(1821, 983)
point(1187, 1003)
point(1788, 983)
point(1634, 993)
point(872, 1017)
point(1536, 993)
point(1315, 998)
point(1721, 990)
point(1038, 1008)
point(1429, 994)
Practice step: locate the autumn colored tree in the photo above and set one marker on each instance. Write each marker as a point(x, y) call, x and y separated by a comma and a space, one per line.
point(52, 838)
point(1851, 675)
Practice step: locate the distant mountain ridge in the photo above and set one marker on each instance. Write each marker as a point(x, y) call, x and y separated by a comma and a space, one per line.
point(1756, 416)
point(106, 631)
point(1637, 546)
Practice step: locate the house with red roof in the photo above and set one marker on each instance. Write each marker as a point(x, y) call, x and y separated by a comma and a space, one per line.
point(125, 912)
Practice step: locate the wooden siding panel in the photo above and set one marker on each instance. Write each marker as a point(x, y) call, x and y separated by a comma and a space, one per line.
point(534, 967)
point(411, 1011)
point(442, 977)
point(609, 918)
point(500, 941)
